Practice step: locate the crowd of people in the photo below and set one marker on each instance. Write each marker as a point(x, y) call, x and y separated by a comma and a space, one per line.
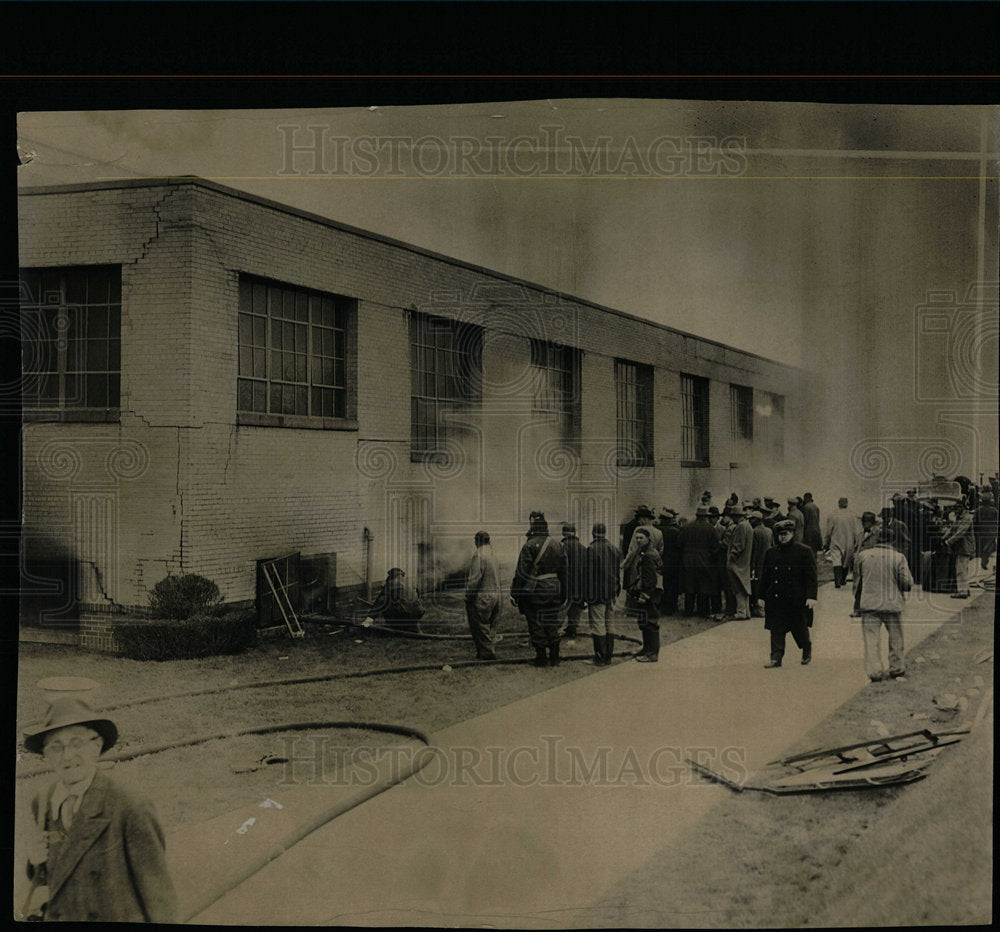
point(740, 561)
point(747, 559)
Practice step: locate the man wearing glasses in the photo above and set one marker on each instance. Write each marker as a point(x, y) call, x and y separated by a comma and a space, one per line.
point(97, 848)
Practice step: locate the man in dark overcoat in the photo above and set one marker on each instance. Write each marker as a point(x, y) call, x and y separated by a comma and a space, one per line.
point(789, 588)
point(812, 532)
point(699, 545)
point(603, 583)
point(97, 847)
point(575, 581)
point(538, 589)
point(763, 540)
point(671, 560)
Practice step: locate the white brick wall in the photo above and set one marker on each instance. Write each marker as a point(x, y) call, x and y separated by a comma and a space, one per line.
point(213, 496)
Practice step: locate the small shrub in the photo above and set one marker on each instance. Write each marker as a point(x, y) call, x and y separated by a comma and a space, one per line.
point(203, 635)
point(182, 596)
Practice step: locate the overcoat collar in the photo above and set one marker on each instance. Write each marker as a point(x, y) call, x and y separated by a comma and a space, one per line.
point(88, 825)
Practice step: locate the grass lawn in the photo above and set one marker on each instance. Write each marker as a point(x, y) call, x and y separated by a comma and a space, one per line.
point(199, 782)
point(916, 854)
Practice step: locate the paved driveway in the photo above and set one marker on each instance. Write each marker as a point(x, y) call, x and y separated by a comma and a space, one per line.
point(526, 815)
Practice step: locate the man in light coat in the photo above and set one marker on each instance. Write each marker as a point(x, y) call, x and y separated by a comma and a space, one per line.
point(97, 847)
point(841, 541)
point(961, 541)
point(738, 562)
point(482, 597)
point(883, 577)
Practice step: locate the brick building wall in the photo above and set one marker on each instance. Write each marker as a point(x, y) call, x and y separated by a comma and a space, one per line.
point(178, 484)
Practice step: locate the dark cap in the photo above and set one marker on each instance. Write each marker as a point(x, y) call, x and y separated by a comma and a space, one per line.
point(642, 511)
point(599, 530)
point(785, 525)
point(569, 529)
point(482, 537)
point(63, 713)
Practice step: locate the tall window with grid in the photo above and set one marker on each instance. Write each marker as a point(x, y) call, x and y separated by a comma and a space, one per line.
point(445, 367)
point(557, 387)
point(293, 346)
point(634, 397)
point(694, 420)
point(741, 407)
point(770, 417)
point(71, 337)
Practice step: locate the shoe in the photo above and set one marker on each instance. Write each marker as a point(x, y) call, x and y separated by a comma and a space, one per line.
point(771, 664)
point(901, 675)
point(609, 648)
point(878, 678)
point(806, 659)
point(554, 654)
point(855, 614)
point(741, 617)
point(541, 660)
point(647, 658)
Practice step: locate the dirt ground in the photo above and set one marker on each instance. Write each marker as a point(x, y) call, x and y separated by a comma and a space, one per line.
point(916, 854)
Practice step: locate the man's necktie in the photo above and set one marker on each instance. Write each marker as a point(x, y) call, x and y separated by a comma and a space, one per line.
point(67, 811)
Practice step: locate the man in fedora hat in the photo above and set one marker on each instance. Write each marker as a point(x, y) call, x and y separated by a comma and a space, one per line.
point(97, 847)
point(698, 544)
point(738, 556)
point(788, 586)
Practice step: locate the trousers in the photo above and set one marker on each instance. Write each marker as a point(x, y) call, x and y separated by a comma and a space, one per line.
point(871, 627)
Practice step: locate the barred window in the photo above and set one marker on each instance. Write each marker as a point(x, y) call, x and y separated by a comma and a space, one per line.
point(71, 337)
point(741, 405)
point(293, 346)
point(770, 417)
point(557, 386)
point(694, 420)
point(445, 367)
point(634, 396)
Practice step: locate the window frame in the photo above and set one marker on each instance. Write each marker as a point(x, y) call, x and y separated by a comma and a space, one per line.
point(342, 308)
point(70, 333)
point(635, 413)
point(695, 420)
point(742, 413)
point(771, 440)
point(549, 398)
point(457, 386)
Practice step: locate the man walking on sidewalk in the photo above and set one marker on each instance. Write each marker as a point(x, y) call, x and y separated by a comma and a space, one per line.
point(883, 577)
point(789, 589)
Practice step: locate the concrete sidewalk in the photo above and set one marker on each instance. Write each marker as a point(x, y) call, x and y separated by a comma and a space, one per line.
point(528, 814)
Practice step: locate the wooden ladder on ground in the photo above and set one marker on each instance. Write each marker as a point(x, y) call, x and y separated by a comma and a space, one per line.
point(280, 592)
